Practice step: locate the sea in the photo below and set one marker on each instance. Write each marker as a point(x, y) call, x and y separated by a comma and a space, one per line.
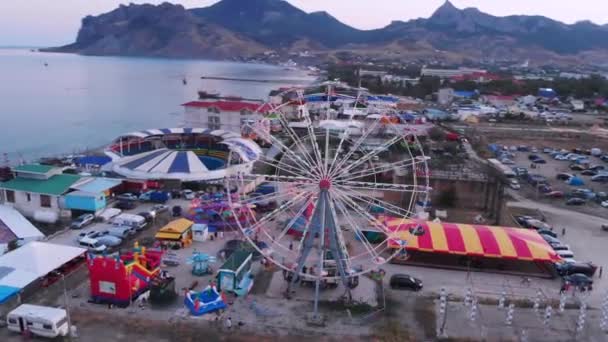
point(55, 104)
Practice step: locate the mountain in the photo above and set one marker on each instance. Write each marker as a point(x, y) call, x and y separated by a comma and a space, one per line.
point(277, 23)
point(165, 30)
point(231, 28)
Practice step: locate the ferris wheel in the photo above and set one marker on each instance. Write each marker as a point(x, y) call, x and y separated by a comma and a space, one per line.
point(328, 187)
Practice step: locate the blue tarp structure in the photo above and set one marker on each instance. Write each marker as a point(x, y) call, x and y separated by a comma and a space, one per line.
point(93, 160)
point(7, 292)
point(407, 117)
point(465, 94)
point(576, 181)
point(547, 93)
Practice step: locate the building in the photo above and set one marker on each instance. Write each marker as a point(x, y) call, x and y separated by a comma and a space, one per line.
point(15, 229)
point(448, 73)
point(36, 191)
point(90, 195)
point(222, 115)
point(445, 96)
point(499, 100)
point(577, 105)
point(402, 80)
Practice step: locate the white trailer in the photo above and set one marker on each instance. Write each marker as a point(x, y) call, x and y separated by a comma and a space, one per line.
point(39, 320)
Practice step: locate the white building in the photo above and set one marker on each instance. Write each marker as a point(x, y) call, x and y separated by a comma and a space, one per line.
point(36, 191)
point(447, 73)
point(16, 228)
point(445, 96)
point(224, 115)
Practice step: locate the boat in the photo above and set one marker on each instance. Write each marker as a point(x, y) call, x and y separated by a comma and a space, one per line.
point(203, 95)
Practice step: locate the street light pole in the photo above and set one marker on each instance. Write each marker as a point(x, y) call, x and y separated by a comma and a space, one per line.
point(67, 305)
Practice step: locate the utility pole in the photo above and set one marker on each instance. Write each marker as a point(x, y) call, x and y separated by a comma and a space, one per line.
point(67, 304)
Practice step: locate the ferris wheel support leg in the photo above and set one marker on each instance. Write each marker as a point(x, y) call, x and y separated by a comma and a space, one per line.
point(309, 237)
point(337, 247)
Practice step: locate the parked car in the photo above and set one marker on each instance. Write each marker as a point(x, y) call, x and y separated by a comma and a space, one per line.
point(538, 224)
point(81, 221)
point(589, 172)
point(159, 197)
point(188, 194)
point(176, 211)
point(586, 193)
point(533, 156)
point(92, 245)
point(560, 157)
point(121, 231)
point(520, 171)
point(604, 157)
point(604, 204)
point(109, 240)
point(405, 282)
point(561, 248)
point(576, 201)
point(547, 150)
point(565, 253)
point(514, 184)
point(597, 167)
point(130, 220)
point(602, 177)
point(578, 279)
point(539, 161)
point(568, 268)
point(577, 167)
point(160, 208)
point(108, 214)
point(564, 176)
point(125, 205)
point(547, 232)
point(147, 215)
point(555, 194)
point(523, 220)
point(127, 197)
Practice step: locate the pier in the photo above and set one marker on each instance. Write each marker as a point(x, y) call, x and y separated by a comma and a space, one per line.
point(220, 78)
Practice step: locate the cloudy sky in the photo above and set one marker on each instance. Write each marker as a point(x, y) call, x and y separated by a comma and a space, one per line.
point(55, 22)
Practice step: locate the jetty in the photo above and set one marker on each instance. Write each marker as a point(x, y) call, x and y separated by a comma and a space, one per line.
point(235, 79)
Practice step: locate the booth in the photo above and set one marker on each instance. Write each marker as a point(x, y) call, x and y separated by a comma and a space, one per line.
point(176, 234)
point(235, 274)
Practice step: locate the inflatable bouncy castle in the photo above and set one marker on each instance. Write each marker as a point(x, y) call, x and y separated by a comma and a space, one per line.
point(206, 301)
point(120, 279)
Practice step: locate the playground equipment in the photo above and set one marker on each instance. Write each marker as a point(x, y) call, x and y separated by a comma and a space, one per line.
point(200, 263)
point(206, 301)
point(334, 179)
point(217, 215)
point(120, 279)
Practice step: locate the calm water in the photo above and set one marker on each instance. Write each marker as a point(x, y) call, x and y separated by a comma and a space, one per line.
point(80, 102)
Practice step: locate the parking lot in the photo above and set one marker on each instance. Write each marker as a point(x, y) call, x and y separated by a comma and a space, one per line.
point(559, 191)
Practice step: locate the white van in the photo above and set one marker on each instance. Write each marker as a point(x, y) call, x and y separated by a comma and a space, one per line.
point(39, 320)
point(92, 245)
point(130, 220)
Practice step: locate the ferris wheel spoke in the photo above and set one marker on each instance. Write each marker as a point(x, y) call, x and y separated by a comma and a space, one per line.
point(348, 200)
point(345, 136)
point(284, 149)
point(402, 164)
point(295, 218)
point(395, 210)
point(354, 227)
point(379, 186)
point(275, 196)
point(353, 148)
point(312, 135)
point(282, 208)
point(297, 141)
point(280, 179)
point(385, 146)
point(279, 165)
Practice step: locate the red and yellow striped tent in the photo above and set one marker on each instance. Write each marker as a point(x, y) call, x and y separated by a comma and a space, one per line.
point(473, 240)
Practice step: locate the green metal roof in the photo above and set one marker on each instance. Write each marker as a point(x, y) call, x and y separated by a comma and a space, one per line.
point(33, 168)
point(56, 185)
point(236, 259)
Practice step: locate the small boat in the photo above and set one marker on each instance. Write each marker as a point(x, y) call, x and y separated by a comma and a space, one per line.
point(202, 95)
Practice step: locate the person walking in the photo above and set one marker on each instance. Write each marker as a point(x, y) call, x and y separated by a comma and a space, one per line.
point(563, 231)
point(228, 323)
point(601, 271)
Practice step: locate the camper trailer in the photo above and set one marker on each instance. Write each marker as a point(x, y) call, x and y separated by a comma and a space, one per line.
point(39, 320)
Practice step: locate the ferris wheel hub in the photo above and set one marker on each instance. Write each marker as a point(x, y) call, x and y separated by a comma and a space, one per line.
point(325, 184)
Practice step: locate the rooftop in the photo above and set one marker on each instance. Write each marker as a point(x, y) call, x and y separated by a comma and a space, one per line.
point(19, 226)
point(54, 186)
point(33, 168)
point(230, 106)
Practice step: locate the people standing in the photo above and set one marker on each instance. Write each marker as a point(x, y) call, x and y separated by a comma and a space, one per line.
point(563, 231)
point(601, 271)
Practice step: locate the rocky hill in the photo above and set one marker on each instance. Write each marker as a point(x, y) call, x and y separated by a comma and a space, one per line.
point(160, 31)
point(232, 28)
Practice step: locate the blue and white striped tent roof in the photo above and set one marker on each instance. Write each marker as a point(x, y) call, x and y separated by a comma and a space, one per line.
point(184, 165)
point(165, 131)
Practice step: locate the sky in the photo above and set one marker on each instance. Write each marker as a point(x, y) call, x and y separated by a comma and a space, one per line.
point(56, 22)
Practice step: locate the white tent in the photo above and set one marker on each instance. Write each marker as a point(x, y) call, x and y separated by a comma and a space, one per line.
point(18, 224)
point(36, 259)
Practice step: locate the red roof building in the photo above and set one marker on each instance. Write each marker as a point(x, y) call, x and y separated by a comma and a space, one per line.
point(223, 114)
